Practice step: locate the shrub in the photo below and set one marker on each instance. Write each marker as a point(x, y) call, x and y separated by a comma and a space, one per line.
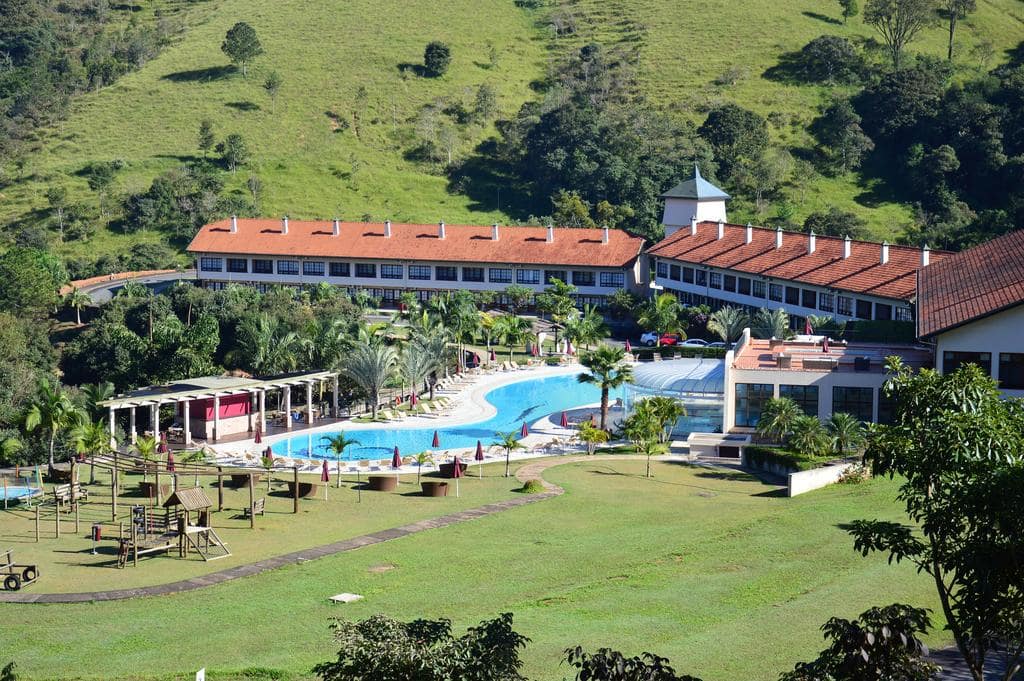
point(761, 457)
point(436, 58)
point(532, 487)
point(854, 475)
point(667, 351)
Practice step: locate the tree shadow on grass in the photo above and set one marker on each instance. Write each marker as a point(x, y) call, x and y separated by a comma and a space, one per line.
point(183, 158)
point(822, 17)
point(492, 183)
point(200, 75)
point(246, 106)
point(788, 71)
point(415, 69)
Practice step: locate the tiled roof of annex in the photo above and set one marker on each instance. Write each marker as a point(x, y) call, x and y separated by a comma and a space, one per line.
point(863, 272)
point(971, 284)
point(461, 243)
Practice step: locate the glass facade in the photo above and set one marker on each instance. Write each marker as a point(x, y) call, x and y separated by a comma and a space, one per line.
point(858, 402)
point(806, 396)
point(750, 400)
point(951, 361)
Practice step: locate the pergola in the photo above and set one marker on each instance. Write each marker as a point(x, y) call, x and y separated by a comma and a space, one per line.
point(215, 387)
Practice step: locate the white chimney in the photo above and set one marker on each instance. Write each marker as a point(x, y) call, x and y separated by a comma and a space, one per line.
point(234, 224)
point(811, 242)
point(750, 233)
point(693, 226)
point(337, 227)
point(551, 234)
point(440, 230)
point(885, 252)
point(604, 235)
point(847, 245)
point(284, 225)
point(387, 229)
point(494, 232)
point(778, 238)
point(721, 230)
point(925, 256)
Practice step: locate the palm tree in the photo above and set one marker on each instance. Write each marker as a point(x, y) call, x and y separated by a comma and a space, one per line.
point(337, 444)
point(53, 412)
point(486, 324)
point(509, 442)
point(643, 429)
point(266, 346)
point(662, 314)
point(421, 357)
point(777, 417)
point(422, 459)
point(592, 436)
point(808, 436)
point(145, 447)
point(770, 323)
point(323, 343)
point(728, 323)
point(846, 431)
point(92, 438)
point(512, 331)
point(78, 299)
point(371, 366)
point(586, 328)
point(268, 465)
point(608, 370)
point(666, 411)
point(94, 394)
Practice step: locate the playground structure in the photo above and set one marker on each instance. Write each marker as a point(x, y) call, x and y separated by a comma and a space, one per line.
point(151, 533)
point(16, 575)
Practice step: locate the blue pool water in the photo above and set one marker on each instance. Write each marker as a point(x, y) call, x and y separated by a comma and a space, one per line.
point(17, 492)
point(524, 401)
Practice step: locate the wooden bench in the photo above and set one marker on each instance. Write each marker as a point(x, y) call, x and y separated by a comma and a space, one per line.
point(258, 508)
point(69, 494)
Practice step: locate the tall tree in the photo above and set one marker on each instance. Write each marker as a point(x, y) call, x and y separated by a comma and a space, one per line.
point(557, 302)
point(509, 442)
point(958, 449)
point(371, 366)
point(234, 151)
point(735, 134)
point(436, 58)
point(850, 9)
point(206, 139)
point(272, 84)
point(77, 299)
point(337, 444)
point(53, 412)
point(608, 369)
point(838, 129)
point(955, 11)
point(899, 22)
point(29, 281)
point(265, 346)
point(643, 429)
point(512, 331)
point(241, 45)
point(666, 412)
point(662, 314)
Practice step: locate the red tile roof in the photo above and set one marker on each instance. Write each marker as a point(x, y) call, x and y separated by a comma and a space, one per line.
point(863, 272)
point(971, 284)
point(811, 356)
point(462, 243)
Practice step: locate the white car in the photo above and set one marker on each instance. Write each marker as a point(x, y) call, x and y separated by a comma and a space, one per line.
point(694, 343)
point(649, 338)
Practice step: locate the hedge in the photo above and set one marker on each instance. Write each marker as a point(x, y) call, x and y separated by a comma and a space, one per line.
point(673, 351)
point(759, 456)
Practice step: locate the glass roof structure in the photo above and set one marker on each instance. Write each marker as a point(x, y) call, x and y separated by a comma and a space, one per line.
point(683, 376)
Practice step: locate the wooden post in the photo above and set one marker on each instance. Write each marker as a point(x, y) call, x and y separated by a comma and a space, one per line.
point(296, 495)
point(5, 492)
point(56, 520)
point(37, 523)
point(156, 489)
point(76, 518)
point(220, 489)
point(113, 490)
point(135, 543)
point(120, 530)
point(252, 504)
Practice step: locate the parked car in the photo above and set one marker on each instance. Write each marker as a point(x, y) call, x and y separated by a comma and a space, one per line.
point(693, 343)
point(651, 338)
point(719, 344)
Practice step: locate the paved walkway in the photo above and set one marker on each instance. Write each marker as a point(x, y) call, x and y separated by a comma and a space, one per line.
point(530, 471)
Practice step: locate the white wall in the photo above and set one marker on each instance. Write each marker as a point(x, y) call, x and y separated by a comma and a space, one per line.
point(1001, 332)
point(678, 213)
point(816, 478)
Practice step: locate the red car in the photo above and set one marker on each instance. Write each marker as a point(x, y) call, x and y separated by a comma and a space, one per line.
point(671, 339)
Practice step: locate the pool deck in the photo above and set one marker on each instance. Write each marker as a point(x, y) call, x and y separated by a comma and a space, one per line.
point(468, 404)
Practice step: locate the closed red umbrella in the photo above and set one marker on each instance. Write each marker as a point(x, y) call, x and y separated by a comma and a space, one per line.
point(436, 442)
point(414, 399)
point(258, 437)
point(396, 459)
point(565, 420)
point(269, 454)
point(629, 348)
point(162, 448)
point(568, 348)
point(493, 356)
point(170, 461)
point(824, 345)
point(456, 473)
point(807, 327)
point(325, 476)
point(480, 458)
point(524, 431)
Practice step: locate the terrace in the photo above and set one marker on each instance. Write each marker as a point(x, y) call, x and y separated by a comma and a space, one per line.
point(818, 353)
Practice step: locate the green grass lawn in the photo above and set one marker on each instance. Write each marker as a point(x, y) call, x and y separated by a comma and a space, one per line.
point(710, 569)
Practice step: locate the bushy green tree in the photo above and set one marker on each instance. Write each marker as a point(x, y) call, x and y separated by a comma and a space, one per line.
point(734, 134)
point(728, 323)
point(850, 9)
point(843, 140)
point(770, 324)
point(835, 222)
point(437, 56)
point(899, 22)
point(234, 151)
point(241, 45)
point(661, 314)
point(610, 665)
point(830, 59)
point(29, 281)
point(206, 139)
point(272, 84)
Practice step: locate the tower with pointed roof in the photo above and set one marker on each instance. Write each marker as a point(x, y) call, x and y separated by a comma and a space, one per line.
point(693, 198)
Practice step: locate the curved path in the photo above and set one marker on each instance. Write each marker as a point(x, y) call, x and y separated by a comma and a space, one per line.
point(529, 471)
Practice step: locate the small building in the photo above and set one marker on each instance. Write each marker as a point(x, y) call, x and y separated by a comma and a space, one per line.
point(693, 199)
point(971, 306)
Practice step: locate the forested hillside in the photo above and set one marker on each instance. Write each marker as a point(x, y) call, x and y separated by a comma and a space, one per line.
point(581, 112)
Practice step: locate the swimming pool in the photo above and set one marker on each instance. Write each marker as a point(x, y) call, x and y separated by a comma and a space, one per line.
point(17, 492)
point(523, 401)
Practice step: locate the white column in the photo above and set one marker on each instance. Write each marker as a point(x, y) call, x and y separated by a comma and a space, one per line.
point(309, 403)
point(334, 397)
point(287, 407)
point(155, 420)
point(133, 435)
point(216, 417)
point(186, 420)
point(113, 428)
point(263, 411)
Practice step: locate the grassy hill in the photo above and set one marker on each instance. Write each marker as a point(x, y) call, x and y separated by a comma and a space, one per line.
point(313, 163)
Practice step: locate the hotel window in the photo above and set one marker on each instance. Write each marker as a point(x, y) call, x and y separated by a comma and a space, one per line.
point(775, 292)
point(903, 314)
point(951, 361)
point(527, 276)
point(662, 269)
point(716, 280)
point(845, 306)
point(472, 274)
point(758, 289)
point(580, 278)
point(688, 275)
point(743, 286)
point(702, 277)
point(613, 280)
point(806, 397)
point(391, 271)
point(729, 283)
point(750, 400)
point(826, 302)
point(339, 269)
point(809, 298)
point(419, 272)
point(366, 270)
point(238, 265)
point(1011, 370)
point(554, 274)
point(262, 266)
point(792, 295)
point(211, 264)
point(856, 402)
point(673, 272)
point(287, 266)
point(313, 269)
point(863, 309)
point(883, 311)
point(498, 275)
point(446, 273)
